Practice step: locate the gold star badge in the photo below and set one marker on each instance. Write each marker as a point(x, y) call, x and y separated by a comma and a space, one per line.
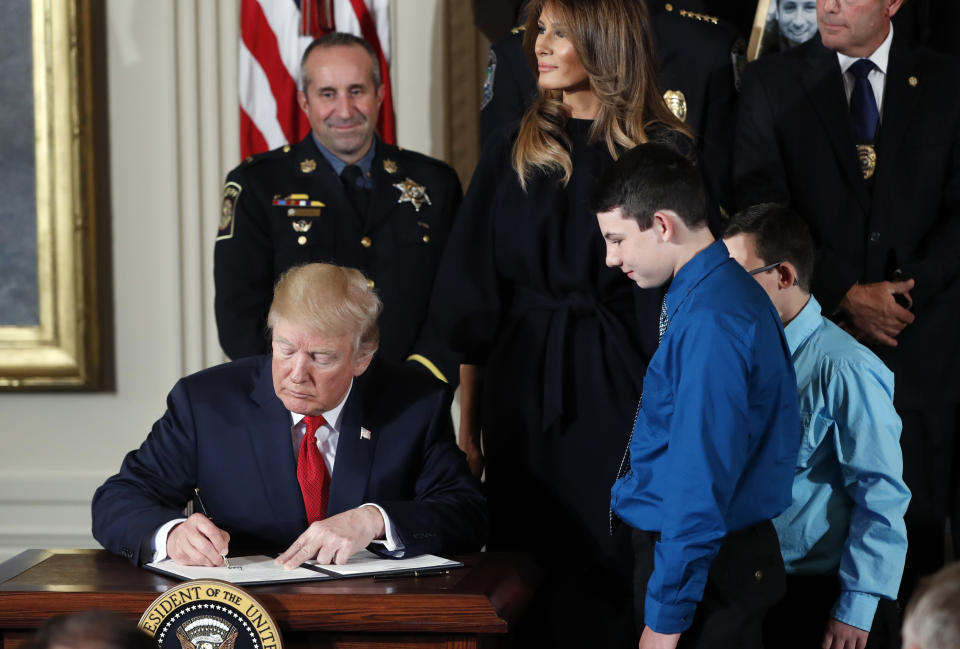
point(390, 166)
point(308, 165)
point(412, 192)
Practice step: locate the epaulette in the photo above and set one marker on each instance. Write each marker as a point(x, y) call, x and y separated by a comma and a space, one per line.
point(267, 155)
point(704, 18)
point(518, 29)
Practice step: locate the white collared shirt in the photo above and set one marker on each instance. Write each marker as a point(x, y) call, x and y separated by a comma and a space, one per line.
point(877, 76)
point(328, 435)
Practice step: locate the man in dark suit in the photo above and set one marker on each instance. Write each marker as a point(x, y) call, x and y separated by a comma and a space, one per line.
point(859, 131)
point(317, 450)
point(698, 57)
point(341, 195)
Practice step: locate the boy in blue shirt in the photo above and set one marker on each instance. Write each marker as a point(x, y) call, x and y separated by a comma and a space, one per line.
point(713, 449)
point(843, 538)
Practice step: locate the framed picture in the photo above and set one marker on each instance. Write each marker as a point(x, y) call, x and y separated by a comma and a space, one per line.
point(49, 275)
point(781, 24)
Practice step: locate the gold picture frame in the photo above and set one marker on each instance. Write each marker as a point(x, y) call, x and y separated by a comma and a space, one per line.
point(756, 32)
point(63, 349)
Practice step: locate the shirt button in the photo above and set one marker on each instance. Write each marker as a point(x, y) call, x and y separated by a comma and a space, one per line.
point(874, 236)
point(758, 575)
point(369, 283)
point(426, 238)
point(302, 240)
point(366, 242)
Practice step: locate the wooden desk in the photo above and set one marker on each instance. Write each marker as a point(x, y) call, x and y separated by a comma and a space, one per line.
point(471, 607)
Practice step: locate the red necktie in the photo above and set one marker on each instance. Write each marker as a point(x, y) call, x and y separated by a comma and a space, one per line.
point(312, 472)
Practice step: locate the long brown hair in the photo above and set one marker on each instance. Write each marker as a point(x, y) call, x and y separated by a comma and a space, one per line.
point(613, 40)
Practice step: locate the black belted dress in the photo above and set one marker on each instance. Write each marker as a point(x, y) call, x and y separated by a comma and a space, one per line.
point(523, 291)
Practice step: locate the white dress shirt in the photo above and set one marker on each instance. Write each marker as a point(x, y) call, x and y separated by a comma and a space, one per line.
point(877, 76)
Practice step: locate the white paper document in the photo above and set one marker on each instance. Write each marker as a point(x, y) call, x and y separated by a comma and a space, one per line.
point(257, 569)
point(365, 563)
point(261, 569)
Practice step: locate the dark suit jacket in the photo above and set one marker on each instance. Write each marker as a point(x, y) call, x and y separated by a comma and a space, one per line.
point(794, 145)
point(226, 433)
point(394, 244)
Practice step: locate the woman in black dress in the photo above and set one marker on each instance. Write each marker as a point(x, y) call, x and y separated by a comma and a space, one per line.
point(560, 340)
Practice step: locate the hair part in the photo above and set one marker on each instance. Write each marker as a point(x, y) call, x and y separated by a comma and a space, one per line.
point(613, 40)
point(932, 618)
point(339, 39)
point(779, 234)
point(333, 300)
point(649, 178)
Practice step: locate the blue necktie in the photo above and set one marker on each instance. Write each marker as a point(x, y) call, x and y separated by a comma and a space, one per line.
point(864, 115)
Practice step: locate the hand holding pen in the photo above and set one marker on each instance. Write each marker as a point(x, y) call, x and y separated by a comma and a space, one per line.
point(198, 542)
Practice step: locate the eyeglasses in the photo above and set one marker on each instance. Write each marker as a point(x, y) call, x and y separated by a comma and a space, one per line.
point(763, 269)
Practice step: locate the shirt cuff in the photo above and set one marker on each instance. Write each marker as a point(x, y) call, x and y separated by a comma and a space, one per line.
point(667, 618)
point(159, 546)
point(392, 543)
point(856, 609)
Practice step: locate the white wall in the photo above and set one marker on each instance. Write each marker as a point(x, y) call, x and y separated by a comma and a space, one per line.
point(172, 111)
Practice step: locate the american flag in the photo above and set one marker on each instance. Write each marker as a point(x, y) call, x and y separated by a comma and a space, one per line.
point(273, 36)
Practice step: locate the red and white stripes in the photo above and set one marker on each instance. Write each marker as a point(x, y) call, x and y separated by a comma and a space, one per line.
point(273, 36)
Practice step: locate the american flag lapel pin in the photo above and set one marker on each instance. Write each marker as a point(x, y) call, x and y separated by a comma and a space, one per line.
point(364, 433)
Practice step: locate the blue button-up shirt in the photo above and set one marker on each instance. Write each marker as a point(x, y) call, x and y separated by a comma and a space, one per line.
point(849, 497)
point(715, 442)
point(365, 163)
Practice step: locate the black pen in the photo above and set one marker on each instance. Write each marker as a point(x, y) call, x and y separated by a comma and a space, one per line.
point(196, 490)
point(427, 572)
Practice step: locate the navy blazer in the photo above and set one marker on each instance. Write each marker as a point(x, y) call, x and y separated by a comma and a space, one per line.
point(795, 146)
point(226, 433)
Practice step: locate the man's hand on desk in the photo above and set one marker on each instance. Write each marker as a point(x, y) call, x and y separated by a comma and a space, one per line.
point(335, 539)
point(197, 542)
point(872, 312)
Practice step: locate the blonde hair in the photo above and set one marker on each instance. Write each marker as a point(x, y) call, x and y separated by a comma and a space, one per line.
point(613, 40)
point(330, 299)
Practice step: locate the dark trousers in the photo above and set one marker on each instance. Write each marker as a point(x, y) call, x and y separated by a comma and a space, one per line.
point(745, 579)
point(799, 619)
point(928, 448)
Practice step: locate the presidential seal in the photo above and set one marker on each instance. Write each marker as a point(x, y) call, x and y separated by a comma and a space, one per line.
point(210, 614)
point(867, 156)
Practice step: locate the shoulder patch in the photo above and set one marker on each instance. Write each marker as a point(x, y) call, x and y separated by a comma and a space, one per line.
point(228, 210)
point(488, 82)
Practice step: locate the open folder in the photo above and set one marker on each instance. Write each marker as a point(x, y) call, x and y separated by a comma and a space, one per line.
point(261, 569)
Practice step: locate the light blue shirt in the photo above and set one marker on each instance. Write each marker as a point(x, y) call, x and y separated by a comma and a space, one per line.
point(849, 497)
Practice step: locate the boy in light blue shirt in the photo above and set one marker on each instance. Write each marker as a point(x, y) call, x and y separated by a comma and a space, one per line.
point(843, 537)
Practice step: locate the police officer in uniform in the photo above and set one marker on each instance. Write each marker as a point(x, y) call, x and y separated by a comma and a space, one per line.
point(699, 58)
point(341, 195)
